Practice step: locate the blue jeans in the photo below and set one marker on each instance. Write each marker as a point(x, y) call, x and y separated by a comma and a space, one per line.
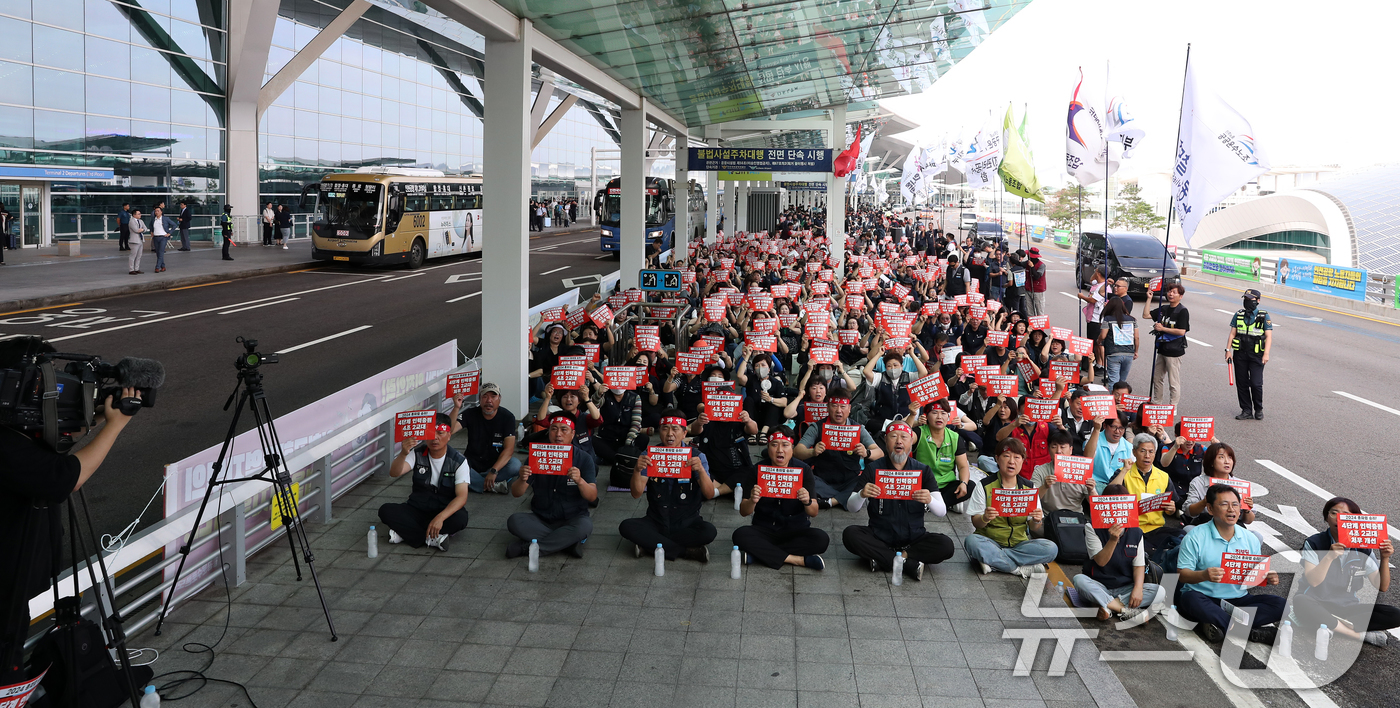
point(825, 490)
point(160, 250)
point(995, 292)
point(1006, 560)
point(507, 473)
point(1090, 589)
point(1118, 366)
point(1199, 607)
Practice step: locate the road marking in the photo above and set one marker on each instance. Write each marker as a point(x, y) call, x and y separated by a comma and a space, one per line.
point(556, 270)
point(1305, 319)
point(50, 307)
point(403, 277)
point(1305, 484)
point(1072, 297)
point(254, 307)
point(605, 255)
point(1224, 311)
point(1372, 404)
point(545, 248)
point(305, 270)
point(462, 278)
point(323, 339)
point(449, 265)
point(202, 285)
point(464, 297)
point(1197, 341)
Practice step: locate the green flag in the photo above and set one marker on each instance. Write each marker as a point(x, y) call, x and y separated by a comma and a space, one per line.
point(1017, 168)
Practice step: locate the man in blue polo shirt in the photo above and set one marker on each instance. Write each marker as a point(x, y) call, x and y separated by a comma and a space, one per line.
point(1199, 565)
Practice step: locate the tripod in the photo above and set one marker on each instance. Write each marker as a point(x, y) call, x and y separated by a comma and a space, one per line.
point(249, 392)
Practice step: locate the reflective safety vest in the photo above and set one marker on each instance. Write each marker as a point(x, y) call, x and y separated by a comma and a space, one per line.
point(1250, 337)
point(1156, 483)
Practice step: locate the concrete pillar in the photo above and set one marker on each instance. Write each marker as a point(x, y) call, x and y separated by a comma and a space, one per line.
point(712, 194)
point(505, 283)
point(835, 194)
point(682, 197)
point(742, 209)
point(249, 43)
point(632, 229)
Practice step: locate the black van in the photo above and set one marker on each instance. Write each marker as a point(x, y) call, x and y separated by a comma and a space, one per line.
point(1137, 257)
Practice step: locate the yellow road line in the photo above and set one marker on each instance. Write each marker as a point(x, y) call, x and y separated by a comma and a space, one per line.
point(50, 307)
point(202, 285)
point(1297, 302)
point(304, 270)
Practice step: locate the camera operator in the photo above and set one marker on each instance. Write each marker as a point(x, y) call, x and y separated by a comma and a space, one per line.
point(34, 481)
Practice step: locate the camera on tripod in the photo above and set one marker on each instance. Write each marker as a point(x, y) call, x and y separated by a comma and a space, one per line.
point(251, 359)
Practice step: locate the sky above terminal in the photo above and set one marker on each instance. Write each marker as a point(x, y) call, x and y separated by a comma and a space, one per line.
point(1313, 79)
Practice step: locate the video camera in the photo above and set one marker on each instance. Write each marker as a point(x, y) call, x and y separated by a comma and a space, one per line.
point(39, 392)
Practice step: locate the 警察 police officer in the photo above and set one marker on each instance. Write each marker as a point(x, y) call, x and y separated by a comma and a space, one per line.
point(1251, 336)
point(673, 518)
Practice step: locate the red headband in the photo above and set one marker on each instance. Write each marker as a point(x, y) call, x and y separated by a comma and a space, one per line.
point(674, 420)
point(897, 426)
point(784, 434)
point(567, 420)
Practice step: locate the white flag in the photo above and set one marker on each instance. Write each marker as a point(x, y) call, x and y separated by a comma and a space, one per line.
point(1216, 155)
point(1122, 127)
point(974, 20)
point(983, 155)
point(1086, 150)
point(912, 177)
point(938, 31)
point(930, 164)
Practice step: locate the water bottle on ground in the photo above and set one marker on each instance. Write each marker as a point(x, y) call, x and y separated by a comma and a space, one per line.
point(1060, 591)
point(660, 561)
point(738, 495)
point(734, 559)
point(1170, 622)
point(897, 578)
point(1324, 637)
point(1285, 639)
point(373, 542)
point(534, 555)
point(150, 699)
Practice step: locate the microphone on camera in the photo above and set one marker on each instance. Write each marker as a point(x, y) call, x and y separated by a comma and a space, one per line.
point(134, 372)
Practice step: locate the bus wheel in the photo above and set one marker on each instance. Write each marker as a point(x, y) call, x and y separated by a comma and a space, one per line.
point(417, 255)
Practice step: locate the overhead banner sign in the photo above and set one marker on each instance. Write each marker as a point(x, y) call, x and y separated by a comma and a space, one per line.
point(802, 186)
point(1349, 283)
point(713, 159)
point(790, 177)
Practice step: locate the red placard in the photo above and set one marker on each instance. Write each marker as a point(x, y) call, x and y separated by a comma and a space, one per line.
point(1154, 285)
point(578, 360)
point(712, 387)
point(1067, 369)
point(551, 459)
point(1039, 321)
point(840, 438)
point(1245, 489)
point(1153, 502)
point(814, 330)
point(765, 325)
point(779, 482)
point(1083, 346)
point(714, 309)
point(602, 315)
point(553, 314)
point(947, 307)
point(567, 378)
point(1133, 403)
point(1041, 409)
point(687, 276)
point(1099, 405)
point(760, 302)
point(464, 383)
point(1158, 414)
point(821, 288)
point(928, 389)
point(848, 337)
point(976, 312)
point(723, 407)
point(621, 377)
point(787, 320)
point(813, 411)
point(1061, 333)
point(998, 338)
point(975, 298)
point(415, 425)
point(1106, 510)
point(854, 287)
point(761, 342)
point(648, 338)
point(689, 363)
point(984, 374)
point(970, 362)
point(1244, 569)
point(959, 301)
point(668, 463)
point(576, 317)
point(898, 484)
point(1002, 385)
point(1361, 530)
point(929, 309)
point(1047, 388)
point(1014, 502)
point(617, 301)
point(823, 355)
point(17, 695)
point(594, 352)
point(897, 344)
point(1199, 430)
point(633, 295)
point(1072, 469)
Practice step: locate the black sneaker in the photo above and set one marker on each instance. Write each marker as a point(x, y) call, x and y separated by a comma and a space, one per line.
point(1245, 415)
point(636, 551)
point(516, 549)
point(874, 567)
point(1209, 632)
point(826, 503)
point(576, 550)
point(698, 553)
point(1258, 415)
point(814, 562)
point(1263, 635)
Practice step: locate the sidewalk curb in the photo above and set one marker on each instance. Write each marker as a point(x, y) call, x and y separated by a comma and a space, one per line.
point(147, 286)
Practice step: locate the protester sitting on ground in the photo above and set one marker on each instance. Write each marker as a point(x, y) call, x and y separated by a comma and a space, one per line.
point(436, 505)
point(725, 445)
point(1113, 451)
point(1198, 564)
point(1034, 436)
point(1005, 543)
point(944, 450)
point(558, 516)
point(781, 532)
point(544, 355)
point(765, 392)
point(621, 426)
point(580, 409)
point(1056, 495)
point(1182, 459)
point(673, 518)
point(1218, 464)
point(1002, 415)
point(837, 472)
point(1331, 582)
point(1114, 576)
point(890, 381)
point(1144, 479)
point(897, 525)
point(491, 433)
point(1072, 419)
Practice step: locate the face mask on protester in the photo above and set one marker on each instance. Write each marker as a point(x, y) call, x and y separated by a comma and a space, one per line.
point(762, 371)
point(826, 374)
point(893, 372)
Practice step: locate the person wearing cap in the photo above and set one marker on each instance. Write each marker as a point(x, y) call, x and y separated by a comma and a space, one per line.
point(491, 435)
point(673, 518)
point(1251, 338)
point(558, 516)
point(781, 532)
point(897, 525)
point(226, 229)
point(544, 355)
point(436, 505)
point(1036, 283)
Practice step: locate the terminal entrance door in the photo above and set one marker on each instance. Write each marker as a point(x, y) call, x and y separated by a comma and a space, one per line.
point(25, 202)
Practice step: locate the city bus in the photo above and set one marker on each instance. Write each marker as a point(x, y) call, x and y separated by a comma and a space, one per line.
point(660, 210)
point(393, 215)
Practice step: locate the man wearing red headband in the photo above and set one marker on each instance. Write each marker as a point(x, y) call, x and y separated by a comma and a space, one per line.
point(897, 524)
point(673, 504)
point(837, 472)
point(434, 510)
point(781, 532)
point(558, 515)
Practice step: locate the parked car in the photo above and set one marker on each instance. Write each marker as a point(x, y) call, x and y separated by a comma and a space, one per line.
point(1138, 257)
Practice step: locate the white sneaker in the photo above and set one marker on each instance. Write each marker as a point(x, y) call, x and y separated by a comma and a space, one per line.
point(855, 502)
point(1131, 612)
point(394, 537)
point(986, 569)
point(501, 487)
point(1377, 638)
point(284, 246)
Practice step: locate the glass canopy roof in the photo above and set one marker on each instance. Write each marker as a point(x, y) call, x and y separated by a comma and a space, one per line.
point(713, 61)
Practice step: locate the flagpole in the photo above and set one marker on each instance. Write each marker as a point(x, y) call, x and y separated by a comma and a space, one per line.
point(1181, 107)
point(1078, 234)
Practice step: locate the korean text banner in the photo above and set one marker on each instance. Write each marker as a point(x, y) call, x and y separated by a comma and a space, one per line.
point(1349, 283)
point(1231, 265)
point(709, 159)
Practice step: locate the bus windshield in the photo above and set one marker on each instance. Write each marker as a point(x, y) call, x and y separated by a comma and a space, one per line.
point(655, 209)
point(359, 209)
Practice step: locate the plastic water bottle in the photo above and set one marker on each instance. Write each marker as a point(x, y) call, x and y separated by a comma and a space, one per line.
point(738, 495)
point(534, 555)
point(150, 699)
point(1285, 639)
point(1060, 591)
point(897, 578)
point(1171, 623)
point(1324, 636)
point(373, 542)
point(660, 561)
point(734, 561)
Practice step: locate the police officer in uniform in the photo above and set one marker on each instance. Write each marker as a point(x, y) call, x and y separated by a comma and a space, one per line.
point(1251, 337)
point(226, 229)
point(434, 510)
point(673, 505)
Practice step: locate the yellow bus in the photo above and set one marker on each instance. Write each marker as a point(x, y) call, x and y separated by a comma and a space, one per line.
point(392, 215)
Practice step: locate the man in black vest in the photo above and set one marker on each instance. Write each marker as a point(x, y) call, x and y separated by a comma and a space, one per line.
point(558, 516)
point(434, 510)
point(673, 505)
point(837, 472)
point(897, 524)
point(1113, 575)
